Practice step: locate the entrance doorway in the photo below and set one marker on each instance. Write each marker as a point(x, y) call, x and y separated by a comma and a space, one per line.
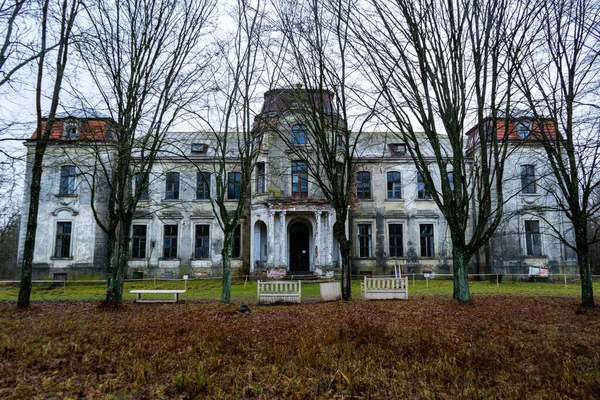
point(299, 247)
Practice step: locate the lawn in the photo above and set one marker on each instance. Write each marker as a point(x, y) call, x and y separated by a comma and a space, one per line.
point(501, 346)
point(245, 291)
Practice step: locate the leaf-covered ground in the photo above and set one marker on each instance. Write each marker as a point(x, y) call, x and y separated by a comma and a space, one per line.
point(520, 347)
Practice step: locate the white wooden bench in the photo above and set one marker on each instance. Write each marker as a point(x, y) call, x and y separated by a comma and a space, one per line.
point(384, 288)
point(174, 292)
point(279, 291)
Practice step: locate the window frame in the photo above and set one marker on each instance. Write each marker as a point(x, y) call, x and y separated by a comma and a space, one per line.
point(261, 170)
point(364, 240)
point(236, 245)
point(139, 242)
point(170, 252)
point(234, 185)
point(426, 242)
point(298, 134)
point(363, 186)
point(528, 180)
point(300, 172)
point(533, 238)
point(172, 179)
point(58, 238)
point(423, 192)
point(523, 129)
point(70, 130)
point(67, 181)
point(397, 239)
point(145, 193)
point(391, 193)
point(397, 149)
point(205, 239)
point(203, 183)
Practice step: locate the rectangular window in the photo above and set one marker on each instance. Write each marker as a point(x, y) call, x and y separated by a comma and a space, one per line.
point(528, 179)
point(138, 241)
point(203, 186)
point(363, 185)
point(260, 177)
point(140, 186)
point(299, 179)
point(451, 180)
point(202, 241)
point(236, 251)
point(299, 134)
point(67, 180)
point(422, 191)
point(394, 185)
point(533, 238)
point(364, 240)
point(395, 240)
point(426, 235)
point(170, 241)
point(234, 185)
point(172, 186)
point(62, 247)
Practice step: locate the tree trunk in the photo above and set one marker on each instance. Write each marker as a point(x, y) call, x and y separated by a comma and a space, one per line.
point(111, 267)
point(460, 265)
point(226, 253)
point(32, 215)
point(346, 272)
point(118, 267)
point(583, 262)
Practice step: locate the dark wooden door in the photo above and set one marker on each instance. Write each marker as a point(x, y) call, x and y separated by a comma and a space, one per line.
point(299, 242)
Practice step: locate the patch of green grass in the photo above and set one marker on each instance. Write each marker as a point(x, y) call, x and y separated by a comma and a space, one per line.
point(245, 291)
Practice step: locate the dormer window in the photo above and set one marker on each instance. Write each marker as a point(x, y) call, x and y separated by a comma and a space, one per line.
point(299, 134)
point(397, 149)
point(71, 129)
point(199, 148)
point(523, 129)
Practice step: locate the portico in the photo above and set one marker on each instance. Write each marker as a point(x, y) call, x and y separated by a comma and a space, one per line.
point(298, 238)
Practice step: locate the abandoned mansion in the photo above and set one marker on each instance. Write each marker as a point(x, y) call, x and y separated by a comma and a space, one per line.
point(286, 223)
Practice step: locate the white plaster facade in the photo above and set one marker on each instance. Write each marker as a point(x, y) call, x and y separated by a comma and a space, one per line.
point(173, 235)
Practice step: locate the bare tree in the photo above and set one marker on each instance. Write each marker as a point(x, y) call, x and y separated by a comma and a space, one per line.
point(439, 65)
point(559, 82)
point(318, 57)
point(236, 145)
point(147, 61)
point(17, 47)
point(66, 18)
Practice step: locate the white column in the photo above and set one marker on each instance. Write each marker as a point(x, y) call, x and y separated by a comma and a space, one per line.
point(282, 239)
point(271, 239)
point(329, 238)
point(318, 240)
